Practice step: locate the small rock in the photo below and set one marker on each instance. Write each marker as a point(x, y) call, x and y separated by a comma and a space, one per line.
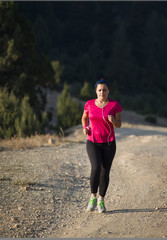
point(20, 208)
point(57, 198)
point(16, 225)
point(51, 141)
point(26, 188)
point(14, 219)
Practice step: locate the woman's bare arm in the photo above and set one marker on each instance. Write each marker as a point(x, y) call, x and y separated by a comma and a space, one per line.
point(115, 120)
point(85, 123)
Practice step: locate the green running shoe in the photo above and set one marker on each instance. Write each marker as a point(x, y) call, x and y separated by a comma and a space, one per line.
point(92, 204)
point(101, 206)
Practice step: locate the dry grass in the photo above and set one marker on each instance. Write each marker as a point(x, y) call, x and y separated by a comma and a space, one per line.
point(17, 143)
point(30, 142)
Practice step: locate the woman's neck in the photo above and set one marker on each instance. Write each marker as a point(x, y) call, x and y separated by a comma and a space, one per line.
point(102, 100)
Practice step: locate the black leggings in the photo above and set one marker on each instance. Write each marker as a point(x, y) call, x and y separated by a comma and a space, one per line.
point(101, 156)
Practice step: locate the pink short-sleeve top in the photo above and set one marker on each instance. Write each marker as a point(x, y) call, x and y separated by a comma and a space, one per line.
point(101, 130)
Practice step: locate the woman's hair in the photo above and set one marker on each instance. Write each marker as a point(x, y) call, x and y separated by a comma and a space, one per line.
point(102, 81)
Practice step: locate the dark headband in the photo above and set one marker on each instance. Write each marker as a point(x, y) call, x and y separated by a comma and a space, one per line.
point(102, 81)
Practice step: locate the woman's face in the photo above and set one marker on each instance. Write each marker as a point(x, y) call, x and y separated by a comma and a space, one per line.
point(102, 92)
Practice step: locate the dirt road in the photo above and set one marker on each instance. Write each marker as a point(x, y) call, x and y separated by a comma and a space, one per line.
point(45, 191)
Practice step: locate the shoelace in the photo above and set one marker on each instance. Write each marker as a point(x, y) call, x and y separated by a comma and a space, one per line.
point(101, 204)
point(92, 201)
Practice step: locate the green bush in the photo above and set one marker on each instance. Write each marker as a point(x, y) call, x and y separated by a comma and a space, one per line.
point(58, 70)
point(69, 111)
point(86, 93)
point(8, 113)
point(17, 117)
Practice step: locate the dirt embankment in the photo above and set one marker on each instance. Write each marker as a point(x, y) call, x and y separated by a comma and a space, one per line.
point(45, 190)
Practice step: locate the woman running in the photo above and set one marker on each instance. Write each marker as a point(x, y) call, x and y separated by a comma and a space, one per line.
point(103, 114)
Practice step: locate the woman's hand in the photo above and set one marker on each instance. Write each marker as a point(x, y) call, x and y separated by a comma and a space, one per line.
point(111, 119)
point(86, 130)
point(115, 120)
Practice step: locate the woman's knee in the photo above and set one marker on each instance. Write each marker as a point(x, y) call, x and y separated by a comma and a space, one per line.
point(96, 170)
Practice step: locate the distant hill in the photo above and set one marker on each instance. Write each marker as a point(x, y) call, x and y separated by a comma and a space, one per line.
point(124, 42)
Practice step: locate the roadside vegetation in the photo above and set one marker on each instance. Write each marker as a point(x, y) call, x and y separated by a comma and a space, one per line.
point(125, 43)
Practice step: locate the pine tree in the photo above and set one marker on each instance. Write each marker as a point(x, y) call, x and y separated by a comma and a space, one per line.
point(22, 67)
point(17, 117)
point(122, 69)
point(9, 106)
point(86, 92)
point(68, 110)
